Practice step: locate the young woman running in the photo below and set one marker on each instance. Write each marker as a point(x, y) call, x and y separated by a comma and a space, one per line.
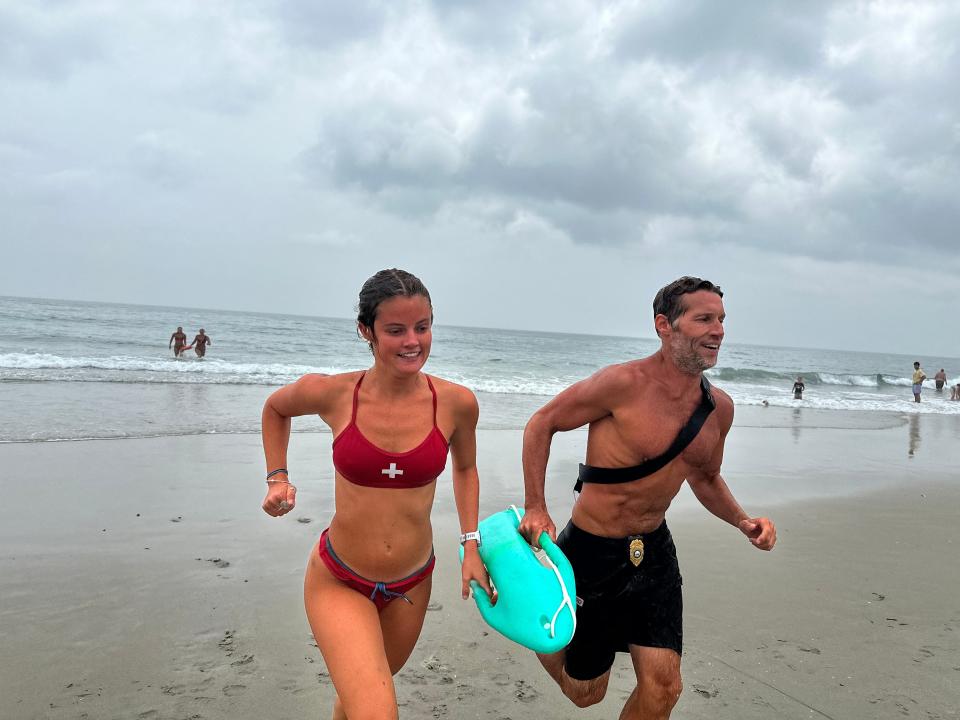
point(368, 579)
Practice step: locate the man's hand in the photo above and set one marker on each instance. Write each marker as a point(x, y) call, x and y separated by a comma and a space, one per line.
point(535, 521)
point(760, 531)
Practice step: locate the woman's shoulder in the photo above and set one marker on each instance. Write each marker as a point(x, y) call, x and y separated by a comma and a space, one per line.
point(321, 383)
point(450, 392)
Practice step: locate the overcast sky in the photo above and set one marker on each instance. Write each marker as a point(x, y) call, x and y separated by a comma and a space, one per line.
point(540, 165)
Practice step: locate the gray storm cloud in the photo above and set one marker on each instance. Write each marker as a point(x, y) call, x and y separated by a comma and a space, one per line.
point(811, 150)
point(742, 115)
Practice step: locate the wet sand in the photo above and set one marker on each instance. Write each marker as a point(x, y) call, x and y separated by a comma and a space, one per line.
point(139, 579)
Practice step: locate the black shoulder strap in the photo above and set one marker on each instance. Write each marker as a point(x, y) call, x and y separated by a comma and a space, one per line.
point(609, 476)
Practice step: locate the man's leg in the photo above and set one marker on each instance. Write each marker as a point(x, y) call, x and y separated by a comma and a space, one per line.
point(658, 684)
point(583, 693)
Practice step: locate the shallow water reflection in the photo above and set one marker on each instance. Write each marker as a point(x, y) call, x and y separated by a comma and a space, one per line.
point(914, 430)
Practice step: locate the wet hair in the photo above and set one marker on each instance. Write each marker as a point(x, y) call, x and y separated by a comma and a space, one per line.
point(916, 363)
point(668, 300)
point(384, 285)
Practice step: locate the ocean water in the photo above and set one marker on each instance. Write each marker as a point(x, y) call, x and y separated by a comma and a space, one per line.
point(79, 370)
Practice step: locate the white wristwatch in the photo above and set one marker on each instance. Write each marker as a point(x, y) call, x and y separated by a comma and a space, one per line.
point(475, 535)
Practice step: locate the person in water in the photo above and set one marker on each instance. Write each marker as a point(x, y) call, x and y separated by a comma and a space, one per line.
point(798, 388)
point(199, 344)
point(368, 578)
point(178, 341)
point(918, 377)
point(653, 423)
point(940, 379)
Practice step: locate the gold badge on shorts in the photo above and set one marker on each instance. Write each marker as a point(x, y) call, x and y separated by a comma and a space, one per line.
point(636, 551)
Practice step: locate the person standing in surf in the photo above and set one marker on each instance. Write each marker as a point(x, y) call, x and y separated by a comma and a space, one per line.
point(368, 578)
point(940, 379)
point(653, 424)
point(918, 377)
point(798, 388)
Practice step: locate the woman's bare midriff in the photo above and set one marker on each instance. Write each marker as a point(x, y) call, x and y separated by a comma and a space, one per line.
point(382, 533)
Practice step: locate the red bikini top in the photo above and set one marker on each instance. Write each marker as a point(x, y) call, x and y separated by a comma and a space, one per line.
point(363, 463)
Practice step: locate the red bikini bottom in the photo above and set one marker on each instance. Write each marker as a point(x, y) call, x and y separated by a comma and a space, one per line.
point(380, 593)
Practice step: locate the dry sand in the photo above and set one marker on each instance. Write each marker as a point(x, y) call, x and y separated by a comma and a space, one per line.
point(139, 579)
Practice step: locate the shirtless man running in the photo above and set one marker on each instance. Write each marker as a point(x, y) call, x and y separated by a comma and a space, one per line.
point(653, 423)
point(178, 340)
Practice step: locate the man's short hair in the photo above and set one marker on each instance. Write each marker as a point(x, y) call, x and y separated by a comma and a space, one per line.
point(916, 363)
point(668, 300)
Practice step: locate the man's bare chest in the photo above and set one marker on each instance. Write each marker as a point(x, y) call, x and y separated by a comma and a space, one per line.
point(632, 439)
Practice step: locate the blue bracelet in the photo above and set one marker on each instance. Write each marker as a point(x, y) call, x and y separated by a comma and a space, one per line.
point(277, 472)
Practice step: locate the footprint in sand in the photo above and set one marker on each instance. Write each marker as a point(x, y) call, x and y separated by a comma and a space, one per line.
point(226, 644)
point(232, 690)
point(433, 664)
point(524, 692)
point(148, 715)
point(245, 660)
point(707, 691)
point(901, 702)
point(412, 677)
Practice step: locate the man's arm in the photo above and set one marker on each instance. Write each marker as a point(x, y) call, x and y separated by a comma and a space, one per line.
point(578, 405)
point(713, 493)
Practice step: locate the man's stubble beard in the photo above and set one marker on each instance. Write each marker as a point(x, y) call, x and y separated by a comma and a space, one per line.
point(686, 358)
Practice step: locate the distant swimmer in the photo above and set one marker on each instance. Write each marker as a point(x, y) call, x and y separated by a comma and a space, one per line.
point(918, 377)
point(940, 379)
point(199, 344)
point(178, 340)
point(798, 388)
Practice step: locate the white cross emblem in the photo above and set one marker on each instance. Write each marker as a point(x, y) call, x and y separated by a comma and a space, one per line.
point(392, 471)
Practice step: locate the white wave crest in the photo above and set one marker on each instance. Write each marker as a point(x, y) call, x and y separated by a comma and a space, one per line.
point(855, 380)
point(45, 366)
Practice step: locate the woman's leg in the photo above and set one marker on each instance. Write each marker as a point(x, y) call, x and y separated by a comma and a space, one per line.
point(401, 622)
point(346, 627)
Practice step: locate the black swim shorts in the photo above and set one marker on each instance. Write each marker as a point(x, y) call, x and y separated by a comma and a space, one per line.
point(620, 603)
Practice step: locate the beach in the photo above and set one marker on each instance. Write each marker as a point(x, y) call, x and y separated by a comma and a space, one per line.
point(140, 579)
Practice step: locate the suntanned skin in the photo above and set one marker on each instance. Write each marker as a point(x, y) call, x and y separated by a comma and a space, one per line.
point(634, 411)
point(940, 379)
point(380, 533)
point(200, 343)
point(178, 340)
